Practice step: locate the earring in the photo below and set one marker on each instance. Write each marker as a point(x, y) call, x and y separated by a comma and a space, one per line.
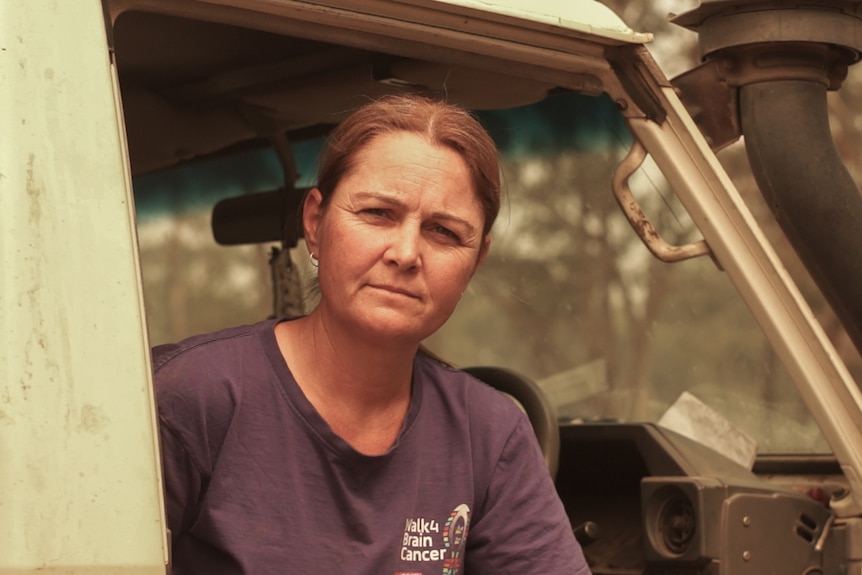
point(313, 259)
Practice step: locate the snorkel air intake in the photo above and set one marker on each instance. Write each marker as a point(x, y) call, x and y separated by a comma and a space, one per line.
point(778, 61)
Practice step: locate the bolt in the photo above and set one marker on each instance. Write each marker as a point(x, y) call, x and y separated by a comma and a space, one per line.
point(746, 555)
point(746, 520)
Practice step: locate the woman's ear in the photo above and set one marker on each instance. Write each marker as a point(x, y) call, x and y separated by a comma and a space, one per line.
point(312, 216)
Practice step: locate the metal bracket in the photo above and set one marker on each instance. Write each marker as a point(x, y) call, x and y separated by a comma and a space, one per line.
point(637, 218)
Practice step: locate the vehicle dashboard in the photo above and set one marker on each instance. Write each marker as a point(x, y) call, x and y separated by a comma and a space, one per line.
point(657, 502)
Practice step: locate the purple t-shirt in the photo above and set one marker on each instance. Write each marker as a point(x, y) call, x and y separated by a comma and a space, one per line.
point(256, 482)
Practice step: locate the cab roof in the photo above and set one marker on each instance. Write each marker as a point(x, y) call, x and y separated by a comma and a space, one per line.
point(588, 17)
point(199, 77)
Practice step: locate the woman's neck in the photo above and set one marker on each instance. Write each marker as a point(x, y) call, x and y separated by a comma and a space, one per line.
point(361, 388)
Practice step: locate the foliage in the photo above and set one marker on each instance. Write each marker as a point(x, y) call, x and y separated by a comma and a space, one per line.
point(569, 295)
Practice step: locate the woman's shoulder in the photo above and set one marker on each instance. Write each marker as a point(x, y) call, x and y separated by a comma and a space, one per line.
point(459, 389)
point(205, 375)
point(208, 347)
point(492, 430)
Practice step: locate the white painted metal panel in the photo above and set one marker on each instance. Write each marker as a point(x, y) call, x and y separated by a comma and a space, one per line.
point(79, 468)
point(588, 16)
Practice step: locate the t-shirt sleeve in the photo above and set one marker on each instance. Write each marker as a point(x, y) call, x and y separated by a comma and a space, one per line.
point(195, 407)
point(183, 481)
point(524, 528)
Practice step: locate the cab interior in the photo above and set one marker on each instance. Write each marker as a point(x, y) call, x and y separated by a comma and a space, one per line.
point(224, 121)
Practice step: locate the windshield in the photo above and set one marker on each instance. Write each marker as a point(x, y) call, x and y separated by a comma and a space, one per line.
point(568, 296)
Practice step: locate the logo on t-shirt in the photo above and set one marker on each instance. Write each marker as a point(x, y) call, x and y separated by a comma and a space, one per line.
point(427, 541)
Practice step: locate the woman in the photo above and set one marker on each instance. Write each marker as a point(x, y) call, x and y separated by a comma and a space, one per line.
point(331, 443)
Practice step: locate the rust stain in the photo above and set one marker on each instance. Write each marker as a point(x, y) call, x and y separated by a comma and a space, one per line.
point(34, 191)
point(93, 419)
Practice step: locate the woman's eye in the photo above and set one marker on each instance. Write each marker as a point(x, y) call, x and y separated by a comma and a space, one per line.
point(443, 231)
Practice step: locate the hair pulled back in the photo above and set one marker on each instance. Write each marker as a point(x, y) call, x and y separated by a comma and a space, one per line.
point(443, 124)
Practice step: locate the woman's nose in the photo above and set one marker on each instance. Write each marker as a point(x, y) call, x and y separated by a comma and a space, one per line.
point(404, 247)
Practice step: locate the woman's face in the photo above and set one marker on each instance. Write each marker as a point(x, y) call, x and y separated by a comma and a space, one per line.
point(399, 240)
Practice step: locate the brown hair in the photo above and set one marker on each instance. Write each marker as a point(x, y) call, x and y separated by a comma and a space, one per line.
point(442, 123)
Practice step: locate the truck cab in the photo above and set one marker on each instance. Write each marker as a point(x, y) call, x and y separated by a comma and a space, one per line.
point(671, 294)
